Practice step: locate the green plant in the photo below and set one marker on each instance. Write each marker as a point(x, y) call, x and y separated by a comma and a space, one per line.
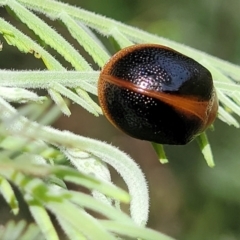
point(35, 156)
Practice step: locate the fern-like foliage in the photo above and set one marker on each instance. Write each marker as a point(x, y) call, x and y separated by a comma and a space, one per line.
point(20, 231)
point(34, 156)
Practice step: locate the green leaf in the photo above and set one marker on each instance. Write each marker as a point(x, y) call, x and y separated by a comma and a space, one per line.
point(49, 36)
point(24, 43)
point(133, 231)
point(9, 195)
point(160, 152)
point(71, 175)
point(42, 218)
point(20, 231)
point(206, 149)
point(79, 220)
point(108, 211)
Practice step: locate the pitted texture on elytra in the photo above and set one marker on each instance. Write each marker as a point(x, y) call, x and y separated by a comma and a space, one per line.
point(161, 69)
point(146, 118)
point(156, 94)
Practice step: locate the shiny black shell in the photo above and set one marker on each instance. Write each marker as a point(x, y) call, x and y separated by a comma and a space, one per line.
point(157, 94)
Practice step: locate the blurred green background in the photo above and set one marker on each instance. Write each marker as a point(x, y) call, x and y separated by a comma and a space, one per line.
point(188, 199)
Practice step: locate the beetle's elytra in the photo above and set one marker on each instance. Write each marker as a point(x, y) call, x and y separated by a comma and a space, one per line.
point(155, 93)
